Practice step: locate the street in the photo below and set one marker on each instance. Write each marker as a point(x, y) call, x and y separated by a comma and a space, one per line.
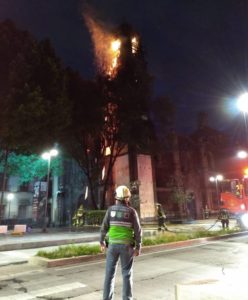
point(210, 271)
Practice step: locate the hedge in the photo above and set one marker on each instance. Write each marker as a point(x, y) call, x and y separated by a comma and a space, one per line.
point(94, 217)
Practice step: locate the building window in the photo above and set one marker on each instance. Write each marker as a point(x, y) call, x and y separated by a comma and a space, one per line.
point(24, 187)
point(22, 211)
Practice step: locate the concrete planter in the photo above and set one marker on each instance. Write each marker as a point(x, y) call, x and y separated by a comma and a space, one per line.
point(45, 262)
point(49, 263)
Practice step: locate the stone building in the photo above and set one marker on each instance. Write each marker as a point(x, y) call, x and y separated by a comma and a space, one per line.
point(184, 168)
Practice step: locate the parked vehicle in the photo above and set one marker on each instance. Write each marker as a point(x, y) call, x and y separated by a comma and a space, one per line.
point(234, 198)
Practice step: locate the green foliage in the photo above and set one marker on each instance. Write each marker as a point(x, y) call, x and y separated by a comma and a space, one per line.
point(83, 217)
point(70, 251)
point(94, 217)
point(178, 195)
point(30, 167)
point(169, 237)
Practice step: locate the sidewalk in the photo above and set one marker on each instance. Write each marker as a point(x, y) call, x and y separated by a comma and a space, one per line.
point(60, 236)
point(38, 239)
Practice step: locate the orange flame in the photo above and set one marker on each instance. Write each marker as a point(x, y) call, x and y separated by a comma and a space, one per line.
point(106, 47)
point(135, 44)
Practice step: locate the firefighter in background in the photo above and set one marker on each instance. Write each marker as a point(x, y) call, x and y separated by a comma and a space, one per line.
point(224, 218)
point(206, 212)
point(161, 218)
point(78, 218)
point(238, 190)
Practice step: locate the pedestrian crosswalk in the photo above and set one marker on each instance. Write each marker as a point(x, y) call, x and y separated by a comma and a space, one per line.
point(91, 296)
point(45, 292)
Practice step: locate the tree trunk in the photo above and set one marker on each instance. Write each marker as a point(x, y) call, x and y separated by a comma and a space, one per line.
point(5, 168)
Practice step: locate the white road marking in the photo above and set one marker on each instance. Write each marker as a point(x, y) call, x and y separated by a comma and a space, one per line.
point(45, 292)
point(14, 275)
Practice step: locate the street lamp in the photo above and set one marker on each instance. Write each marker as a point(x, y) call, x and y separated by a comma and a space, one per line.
point(47, 156)
point(216, 179)
point(242, 154)
point(10, 197)
point(242, 104)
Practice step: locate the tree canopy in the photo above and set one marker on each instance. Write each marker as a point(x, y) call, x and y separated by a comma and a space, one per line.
point(34, 108)
point(30, 167)
point(82, 138)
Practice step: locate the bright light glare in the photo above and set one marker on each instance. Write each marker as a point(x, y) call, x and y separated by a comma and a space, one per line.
point(212, 179)
point(242, 154)
point(86, 193)
point(243, 102)
point(219, 177)
point(54, 152)
point(216, 178)
point(47, 155)
point(242, 207)
point(103, 172)
point(244, 219)
point(10, 196)
point(107, 151)
point(116, 45)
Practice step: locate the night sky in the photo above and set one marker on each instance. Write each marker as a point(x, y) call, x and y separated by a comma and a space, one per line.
point(197, 50)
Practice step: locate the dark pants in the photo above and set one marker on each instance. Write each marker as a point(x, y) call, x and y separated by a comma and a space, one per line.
point(161, 223)
point(225, 223)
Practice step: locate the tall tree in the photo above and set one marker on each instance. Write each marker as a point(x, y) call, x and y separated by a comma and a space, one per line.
point(33, 104)
point(34, 109)
point(127, 95)
point(82, 139)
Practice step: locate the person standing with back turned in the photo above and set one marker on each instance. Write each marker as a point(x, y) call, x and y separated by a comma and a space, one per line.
point(121, 224)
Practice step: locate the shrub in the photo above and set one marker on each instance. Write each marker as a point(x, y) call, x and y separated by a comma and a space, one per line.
point(168, 237)
point(70, 251)
point(164, 238)
point(94, 217)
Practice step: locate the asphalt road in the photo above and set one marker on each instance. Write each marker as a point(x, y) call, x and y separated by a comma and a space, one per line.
point(216, 270)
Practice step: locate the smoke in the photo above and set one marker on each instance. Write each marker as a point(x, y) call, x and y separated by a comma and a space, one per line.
point(101, 38)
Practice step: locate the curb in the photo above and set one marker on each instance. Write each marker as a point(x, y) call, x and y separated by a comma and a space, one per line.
point(47, 243)
point(49, 263)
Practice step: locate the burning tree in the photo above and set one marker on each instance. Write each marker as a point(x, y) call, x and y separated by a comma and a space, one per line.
point(125, 85)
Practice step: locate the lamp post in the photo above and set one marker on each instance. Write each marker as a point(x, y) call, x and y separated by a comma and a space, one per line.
point(216, 179)
point(10, 197)
point(242, 104)
point(47, 156)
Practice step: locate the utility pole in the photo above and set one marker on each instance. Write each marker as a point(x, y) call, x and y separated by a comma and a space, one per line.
point(5, 166)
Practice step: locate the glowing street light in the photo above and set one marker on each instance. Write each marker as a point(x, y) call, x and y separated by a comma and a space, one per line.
point(242, 154)
point(243, 103)
point(47, 156)
point(10, 197)
point(216, 179)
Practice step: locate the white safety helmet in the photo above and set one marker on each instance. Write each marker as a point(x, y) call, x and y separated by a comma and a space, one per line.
point(122, 193)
